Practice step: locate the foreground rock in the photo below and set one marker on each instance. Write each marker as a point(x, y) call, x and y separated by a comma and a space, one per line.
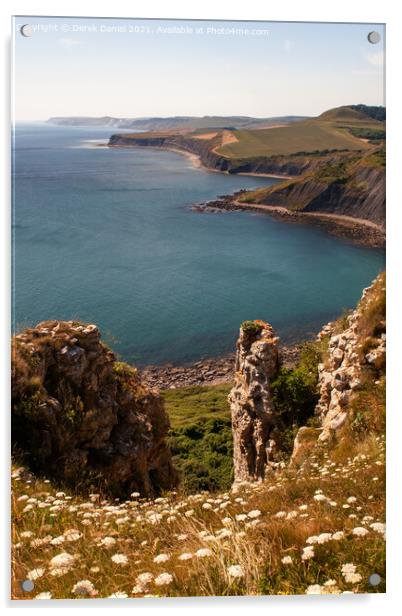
point(354, 360)
point(358, 350)
point(84, 418)
point(253, 416)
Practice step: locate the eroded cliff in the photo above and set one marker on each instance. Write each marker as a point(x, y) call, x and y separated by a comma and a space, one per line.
point(84, 418)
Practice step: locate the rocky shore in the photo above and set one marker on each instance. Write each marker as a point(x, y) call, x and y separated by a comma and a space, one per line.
point(212, 371)
point(359, 231)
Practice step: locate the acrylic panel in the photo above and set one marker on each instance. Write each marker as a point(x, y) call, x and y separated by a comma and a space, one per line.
point(198, 308)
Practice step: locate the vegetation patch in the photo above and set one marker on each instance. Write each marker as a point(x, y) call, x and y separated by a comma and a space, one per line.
point(200, 437)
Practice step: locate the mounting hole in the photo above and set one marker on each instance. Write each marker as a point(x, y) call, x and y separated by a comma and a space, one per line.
point(374, 37)
point(26, 30)
point(27, 585)
point(374, 579)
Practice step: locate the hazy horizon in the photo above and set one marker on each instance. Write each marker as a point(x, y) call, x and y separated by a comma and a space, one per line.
point(162, 68)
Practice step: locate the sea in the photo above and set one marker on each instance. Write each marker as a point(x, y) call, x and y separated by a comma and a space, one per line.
point(108, 236)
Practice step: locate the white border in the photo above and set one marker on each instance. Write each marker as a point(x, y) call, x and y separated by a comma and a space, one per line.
point(292, 10)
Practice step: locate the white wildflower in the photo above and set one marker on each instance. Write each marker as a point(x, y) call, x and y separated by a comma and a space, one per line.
point(63, 560)
point(235, 571)
point(120, 559)
point(161, 558)
point(44, 595)
point(144, 578)
point(353, 578)
point(360, 531)
point(186, 556)
point(35, 574)
point(378, 527)
point(72, 534)
point(240, 517)
point(320, 498)
point(314, 589)
point(58, 540)
point(118, 595)
point(164, 579)
point(203, 552)
point(287, 560)
point(107, 542)
point(307, 553)
point(330, 583)
point(27, 534)
point(255, 513)
point(348, 568)
point(339, 534)
point(84, 588)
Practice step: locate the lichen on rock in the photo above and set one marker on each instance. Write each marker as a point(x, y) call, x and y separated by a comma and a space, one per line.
point(83, 417)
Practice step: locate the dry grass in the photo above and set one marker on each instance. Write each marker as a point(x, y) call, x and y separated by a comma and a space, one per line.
point(289, 508)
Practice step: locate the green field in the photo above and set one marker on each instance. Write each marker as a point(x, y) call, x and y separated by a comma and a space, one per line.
point(189, 404)
point(300, 137)
point(201, 436)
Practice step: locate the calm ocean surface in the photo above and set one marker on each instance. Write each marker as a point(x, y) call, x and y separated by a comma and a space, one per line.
point(107, 236)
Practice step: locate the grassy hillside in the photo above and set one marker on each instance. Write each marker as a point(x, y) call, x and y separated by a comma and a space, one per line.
point(342, 128)
point(301, 137)
point(318, 531)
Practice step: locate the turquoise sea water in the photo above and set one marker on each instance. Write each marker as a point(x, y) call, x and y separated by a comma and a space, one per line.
point(108, 236)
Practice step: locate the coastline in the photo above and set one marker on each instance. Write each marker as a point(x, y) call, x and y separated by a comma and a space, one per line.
point(360, 231)
point(197, 161)
point(206, 372)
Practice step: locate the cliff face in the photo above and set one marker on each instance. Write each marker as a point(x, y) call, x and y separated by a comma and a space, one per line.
point(355, 353)
point(356, 189)
point(329, 183)
point(294, 165)
point(82, 417)
point(253, 416)
point(352, 363)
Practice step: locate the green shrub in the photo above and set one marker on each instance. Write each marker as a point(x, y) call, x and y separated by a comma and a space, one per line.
point(202, 453)
point(295, 395)
point(251, 327)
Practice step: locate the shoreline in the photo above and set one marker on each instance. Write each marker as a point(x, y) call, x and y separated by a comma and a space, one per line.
point(358, 230)
point(197, 162)
point(206, 372)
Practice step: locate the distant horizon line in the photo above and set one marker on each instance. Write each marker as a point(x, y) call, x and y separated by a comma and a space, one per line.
point(208, 115)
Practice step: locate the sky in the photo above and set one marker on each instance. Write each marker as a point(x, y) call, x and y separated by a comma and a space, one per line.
point(143, 68)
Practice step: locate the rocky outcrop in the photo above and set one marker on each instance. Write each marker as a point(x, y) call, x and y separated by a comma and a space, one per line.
point(253, 417)
point(339, 186)
point(353, 353)
point(84, 418)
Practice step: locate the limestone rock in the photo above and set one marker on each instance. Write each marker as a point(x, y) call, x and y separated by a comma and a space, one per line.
point(304, 443)
point(84, 418)
point(253, 416)
point(341, 375)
